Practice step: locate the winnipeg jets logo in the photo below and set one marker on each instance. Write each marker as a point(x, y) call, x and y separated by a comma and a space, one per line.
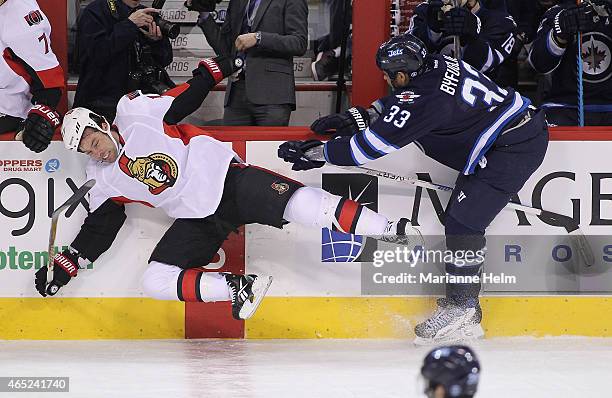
point(596, 57)
point(407, 97)
point(395, 53)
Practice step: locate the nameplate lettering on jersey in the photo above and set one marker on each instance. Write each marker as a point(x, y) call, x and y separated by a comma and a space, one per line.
point(450, 81)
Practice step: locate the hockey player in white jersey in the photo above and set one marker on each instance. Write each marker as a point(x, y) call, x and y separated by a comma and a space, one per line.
point(145, 157)
point(31, 79)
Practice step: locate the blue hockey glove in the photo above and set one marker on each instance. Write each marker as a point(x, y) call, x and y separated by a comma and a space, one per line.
point(463, 23)
point(349, 122)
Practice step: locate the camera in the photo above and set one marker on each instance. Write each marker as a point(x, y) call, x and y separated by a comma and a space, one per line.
point(145, 74)
point(167, 28)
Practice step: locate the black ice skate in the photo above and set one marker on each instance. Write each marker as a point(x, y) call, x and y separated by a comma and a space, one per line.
point(401, 232)
point(450, 323)
point(247, 292)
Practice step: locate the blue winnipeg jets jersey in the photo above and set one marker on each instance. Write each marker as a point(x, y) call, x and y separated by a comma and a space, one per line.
point(546, 56)
point(452, 112)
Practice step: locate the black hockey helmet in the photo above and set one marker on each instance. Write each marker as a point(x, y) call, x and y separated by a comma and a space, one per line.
point(405, 53)
point(455, 367)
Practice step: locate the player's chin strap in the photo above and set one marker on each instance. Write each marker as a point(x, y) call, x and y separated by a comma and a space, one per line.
point(109, 133)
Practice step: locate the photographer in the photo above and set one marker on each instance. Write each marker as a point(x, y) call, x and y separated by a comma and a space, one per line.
point(121, 48)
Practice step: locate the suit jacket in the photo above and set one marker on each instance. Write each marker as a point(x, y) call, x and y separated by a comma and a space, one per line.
point(269, 65)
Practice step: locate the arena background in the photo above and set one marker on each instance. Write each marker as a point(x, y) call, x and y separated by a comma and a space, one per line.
point(309, 298)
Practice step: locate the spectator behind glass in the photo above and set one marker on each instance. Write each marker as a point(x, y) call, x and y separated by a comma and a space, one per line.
point(265, 35)
point(486, 35)
point(112, 37)
point(555, 51)
point(327, 57)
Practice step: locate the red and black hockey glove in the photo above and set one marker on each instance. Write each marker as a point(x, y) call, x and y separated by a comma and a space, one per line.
point(218, 68)
point(39, 127)
point(295, 152)
point(349, 122)
point(65, 267)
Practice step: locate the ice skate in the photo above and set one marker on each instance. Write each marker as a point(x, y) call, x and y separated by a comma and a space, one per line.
point(450, 323)
point(400, 232)
point(247, 293)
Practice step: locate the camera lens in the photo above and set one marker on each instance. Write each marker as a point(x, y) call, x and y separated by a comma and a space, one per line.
point(167, 28)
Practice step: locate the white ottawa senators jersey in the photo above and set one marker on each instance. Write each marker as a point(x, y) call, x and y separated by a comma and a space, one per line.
point(158, 166)
point(27, 58)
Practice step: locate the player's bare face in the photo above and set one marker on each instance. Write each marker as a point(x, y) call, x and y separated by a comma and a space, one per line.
point(401, 80)
point(98, 146)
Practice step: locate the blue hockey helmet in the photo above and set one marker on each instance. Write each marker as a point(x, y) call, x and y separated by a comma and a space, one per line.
point(405, 53)
point(455, 367)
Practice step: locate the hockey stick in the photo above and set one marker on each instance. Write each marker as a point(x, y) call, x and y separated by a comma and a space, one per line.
point(456, 41)
point(577, 238)
point(76, 197)
point(580, 81)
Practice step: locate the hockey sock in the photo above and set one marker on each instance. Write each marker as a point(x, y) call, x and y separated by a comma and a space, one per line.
point(469, 248)
point(315, 207)
point(168, 282)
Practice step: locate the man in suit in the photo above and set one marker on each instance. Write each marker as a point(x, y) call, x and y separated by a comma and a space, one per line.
point(265, 35)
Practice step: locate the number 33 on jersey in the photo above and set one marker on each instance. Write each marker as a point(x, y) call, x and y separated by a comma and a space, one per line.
point(452, 112)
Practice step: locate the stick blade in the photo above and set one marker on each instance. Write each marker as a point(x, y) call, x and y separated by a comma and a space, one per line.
point(580, 243)
point(75, 197)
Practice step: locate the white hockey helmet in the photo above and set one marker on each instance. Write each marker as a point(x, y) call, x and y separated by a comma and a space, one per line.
point(76, 121)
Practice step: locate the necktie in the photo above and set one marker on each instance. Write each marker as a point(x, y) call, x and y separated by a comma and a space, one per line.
point(249, 16)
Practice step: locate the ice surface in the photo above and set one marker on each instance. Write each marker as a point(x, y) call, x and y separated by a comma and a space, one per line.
point(517, 367)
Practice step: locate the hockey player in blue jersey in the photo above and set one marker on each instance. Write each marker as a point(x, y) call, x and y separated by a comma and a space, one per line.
point(486, 35)
point(555, 52)
point(492, 136)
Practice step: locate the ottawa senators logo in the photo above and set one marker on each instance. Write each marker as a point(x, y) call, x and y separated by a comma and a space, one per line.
point(158, 171)
point(280, 187)
point(34, 17)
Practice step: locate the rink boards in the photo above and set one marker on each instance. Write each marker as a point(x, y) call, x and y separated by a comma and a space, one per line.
point(553, 294)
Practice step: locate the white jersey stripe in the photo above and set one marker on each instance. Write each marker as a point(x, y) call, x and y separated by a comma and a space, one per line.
point(490, 134)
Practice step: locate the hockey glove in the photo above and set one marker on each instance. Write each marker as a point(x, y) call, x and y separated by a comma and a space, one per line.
point(572, 20)
point(347, 123)
point(295, 152)
point(435, 16)
point(65, 266)
point(202, 5)
point(218, 68)
point(39, 127)
point(461, 22)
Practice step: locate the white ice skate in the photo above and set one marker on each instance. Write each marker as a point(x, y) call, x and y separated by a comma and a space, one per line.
point(247, 292)
point(401, 232)
point(450, 323)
